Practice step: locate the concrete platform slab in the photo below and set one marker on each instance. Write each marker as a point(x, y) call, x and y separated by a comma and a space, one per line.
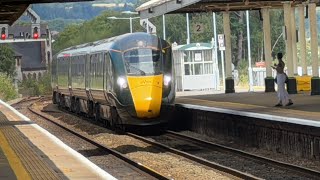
point(304, 107)
point(34, 153)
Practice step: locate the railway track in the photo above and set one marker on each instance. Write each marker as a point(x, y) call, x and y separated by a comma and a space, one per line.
point(224, 170)
point(226, 159)
point(136, 168)
point(208, 153)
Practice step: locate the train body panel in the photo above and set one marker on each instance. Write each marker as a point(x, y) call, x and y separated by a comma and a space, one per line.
point(131, 75)
point(147, 95)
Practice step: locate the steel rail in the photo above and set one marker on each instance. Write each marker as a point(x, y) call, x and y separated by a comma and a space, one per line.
point(237, 152)
point(113, 152)
point(199, 160)
point(224, 169)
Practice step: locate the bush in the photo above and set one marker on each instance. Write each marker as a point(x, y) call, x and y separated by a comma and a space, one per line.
point(33, 87)
point(243, 73)
point(45, 85)
point(7, 90)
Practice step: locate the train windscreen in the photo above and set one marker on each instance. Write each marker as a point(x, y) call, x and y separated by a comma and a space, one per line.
point(142, 61)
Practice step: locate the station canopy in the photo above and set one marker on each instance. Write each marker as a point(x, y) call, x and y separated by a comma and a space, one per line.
point(11, 10)
point(155, 8)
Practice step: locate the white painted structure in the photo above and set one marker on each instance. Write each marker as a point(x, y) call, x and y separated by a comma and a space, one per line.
point(196, 67)
point(259, 73)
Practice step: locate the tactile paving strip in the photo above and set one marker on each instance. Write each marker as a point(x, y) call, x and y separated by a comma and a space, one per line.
point(36, 167)
point(6, 171)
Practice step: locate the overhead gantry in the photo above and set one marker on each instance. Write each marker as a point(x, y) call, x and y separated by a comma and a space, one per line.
point(155, 8)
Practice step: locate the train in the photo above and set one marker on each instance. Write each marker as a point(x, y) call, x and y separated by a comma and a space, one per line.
point(122, 81)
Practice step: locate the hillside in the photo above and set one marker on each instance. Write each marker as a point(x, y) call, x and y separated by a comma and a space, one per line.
point(81, 10)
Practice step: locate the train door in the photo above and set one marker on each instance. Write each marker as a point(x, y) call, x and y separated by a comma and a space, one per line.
point(62, 71)
point(104, 74)
point(109, 72)
point(71, 72)
point(69, 59)
point(87, 75)
point(54, 74)
point(96, 69)
point(108, 83)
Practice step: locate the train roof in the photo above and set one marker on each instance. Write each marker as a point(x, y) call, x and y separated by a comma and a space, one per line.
point(97, 46)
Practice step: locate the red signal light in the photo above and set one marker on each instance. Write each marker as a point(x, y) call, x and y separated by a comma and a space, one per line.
point(35, 36)
point(3, 33)
point(35, 33)
point(3, 36)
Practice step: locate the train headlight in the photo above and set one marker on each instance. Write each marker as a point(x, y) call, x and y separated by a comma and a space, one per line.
point(166, 80)
point(122, 82)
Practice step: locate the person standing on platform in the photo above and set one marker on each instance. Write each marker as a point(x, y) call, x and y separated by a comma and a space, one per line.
point(281, 80)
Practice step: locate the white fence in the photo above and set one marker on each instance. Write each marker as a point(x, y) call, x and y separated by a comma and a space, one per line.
point(260, 73)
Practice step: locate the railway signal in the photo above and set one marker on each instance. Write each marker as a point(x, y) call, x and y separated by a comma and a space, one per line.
point(3, 33)
point(35, 33)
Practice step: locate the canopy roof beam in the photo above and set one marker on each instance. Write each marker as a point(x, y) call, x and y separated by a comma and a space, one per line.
point(155, 8)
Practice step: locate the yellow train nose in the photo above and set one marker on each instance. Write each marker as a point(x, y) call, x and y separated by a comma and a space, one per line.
point(146, 93)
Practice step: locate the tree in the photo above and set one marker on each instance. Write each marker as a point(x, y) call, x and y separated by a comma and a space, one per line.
point(7, 90)
point(96, 29)
point(237, 26)
point(7, 62)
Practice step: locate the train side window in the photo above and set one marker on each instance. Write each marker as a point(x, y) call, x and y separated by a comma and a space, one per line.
point(92, 69)
point(54, 71)
point(62, 70)
point(87, 71)
point(96, 77)
point(109, 70)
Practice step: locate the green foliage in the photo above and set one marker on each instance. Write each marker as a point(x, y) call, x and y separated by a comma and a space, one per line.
point(99, 28)
point(7, 62)
point(7, 90)
point(34, 87)
point(45, 84)
point(29, 87)
point(59, 24)
point(308, 51)
point(243, 73)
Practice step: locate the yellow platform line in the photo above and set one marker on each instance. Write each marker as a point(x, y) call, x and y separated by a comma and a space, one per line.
point(13, 159)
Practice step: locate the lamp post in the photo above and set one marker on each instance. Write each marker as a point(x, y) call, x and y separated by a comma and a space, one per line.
point(130, 18)
point(249, 54)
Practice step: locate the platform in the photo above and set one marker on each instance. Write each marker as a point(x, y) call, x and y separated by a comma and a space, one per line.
point(257, 104)
point(252, 120)
point(28, 151)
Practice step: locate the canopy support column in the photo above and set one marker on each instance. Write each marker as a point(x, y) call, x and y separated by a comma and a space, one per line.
point(292, 84)
point(269, 80)
point(302, 39)
point(229, 82)
point(315, 81)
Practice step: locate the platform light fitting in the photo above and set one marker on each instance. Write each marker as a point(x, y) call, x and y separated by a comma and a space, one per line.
point(178, 1)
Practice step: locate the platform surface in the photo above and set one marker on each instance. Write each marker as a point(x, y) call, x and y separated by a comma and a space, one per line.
point(305, 107)
point(28, 151)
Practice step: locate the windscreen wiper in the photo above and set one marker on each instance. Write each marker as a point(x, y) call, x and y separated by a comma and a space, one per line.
point(130, 66)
